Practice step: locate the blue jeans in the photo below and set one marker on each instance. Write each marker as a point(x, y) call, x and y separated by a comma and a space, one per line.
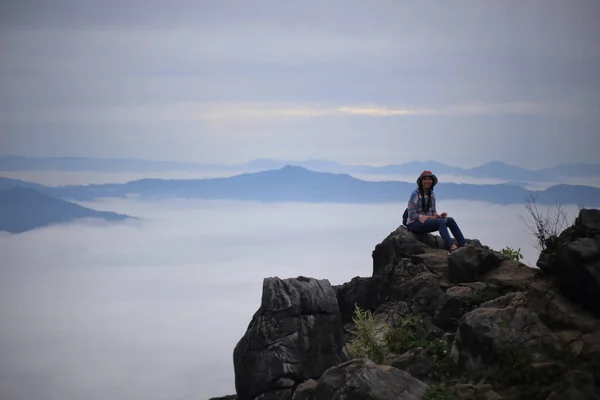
point(441, 225)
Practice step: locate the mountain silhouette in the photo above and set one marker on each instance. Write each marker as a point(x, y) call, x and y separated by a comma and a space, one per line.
point(23, 209)
point(490, 170)
point(295, 183)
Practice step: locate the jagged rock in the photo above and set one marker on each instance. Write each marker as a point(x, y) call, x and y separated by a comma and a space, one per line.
point(399, 244)
point(556, 311)
point(435, 260)
point(591, 344)
point(574, 259)
point(467, 391)
point(304, 389)
point(486, 332)
point(277, 395)
point(452, 307)
point(587, 223)
point(421, 292)
point(460, 299)
point(367, 293)
point(296, 334)
point(415, 361)
point(363, 379)
point(510, 275)
point(577, 329)
point(478, 300)
point(403, 244)
point(576, 385)
point(470, 263)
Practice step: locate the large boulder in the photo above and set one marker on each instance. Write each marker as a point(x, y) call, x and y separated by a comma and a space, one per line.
point(368, 293)
point(577, 329)
point(416, 285)
point(471, 263)
point(362, 379)
point(510, 275)
point(402, 244)
point(500, 326)
point(415, 361)
point(587, 223)
point(295, 335)
point(460, 299)
point(574, 260)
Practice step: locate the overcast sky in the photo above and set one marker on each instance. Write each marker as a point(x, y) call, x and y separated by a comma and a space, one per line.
point(381, 81)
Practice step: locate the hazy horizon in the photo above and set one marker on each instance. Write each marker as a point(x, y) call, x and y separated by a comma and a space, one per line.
point(58, 178)
point(151, 309)
point(242, 161)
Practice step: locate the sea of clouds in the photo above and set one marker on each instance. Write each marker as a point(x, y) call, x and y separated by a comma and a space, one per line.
point(152, 309)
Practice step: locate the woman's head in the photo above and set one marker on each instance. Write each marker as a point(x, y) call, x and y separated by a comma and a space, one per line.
point(427, 180)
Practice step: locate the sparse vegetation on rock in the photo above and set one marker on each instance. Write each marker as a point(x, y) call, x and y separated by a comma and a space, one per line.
point(477, 324)
point(365, 344)
point(513, 254)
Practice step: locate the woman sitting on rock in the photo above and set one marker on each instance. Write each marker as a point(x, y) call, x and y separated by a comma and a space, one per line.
point(423, 216)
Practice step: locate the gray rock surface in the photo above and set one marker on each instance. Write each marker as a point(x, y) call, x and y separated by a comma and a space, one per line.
point(415, 361)
point(574, 259)
point(484, 305)
point(399, 244)
point(470, 263)
point(488, 331)
point(363, 379)
point(295, 335)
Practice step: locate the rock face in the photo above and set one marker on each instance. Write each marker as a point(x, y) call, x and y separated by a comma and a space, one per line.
point(574, 259)
point(485, 333)
point(363, 379)
point(469, 264)
point(474, 324)
point(295, 335)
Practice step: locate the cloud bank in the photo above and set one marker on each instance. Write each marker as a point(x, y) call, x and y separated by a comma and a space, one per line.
point(153, 310)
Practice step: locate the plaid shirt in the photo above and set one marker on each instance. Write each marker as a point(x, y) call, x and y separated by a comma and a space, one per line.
point(415, 206)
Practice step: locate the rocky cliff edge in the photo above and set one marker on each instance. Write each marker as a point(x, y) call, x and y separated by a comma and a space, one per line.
point(472, 325)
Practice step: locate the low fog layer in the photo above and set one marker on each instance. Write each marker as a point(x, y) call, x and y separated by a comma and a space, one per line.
point(57, 178)
point(152, 309)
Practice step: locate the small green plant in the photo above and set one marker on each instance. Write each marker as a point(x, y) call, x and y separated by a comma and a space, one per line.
point(409, 333)
point(481, 296)
point(512, 253)
point(435, 392)
point(365, 343)
point(514, 366)
point(503, 322)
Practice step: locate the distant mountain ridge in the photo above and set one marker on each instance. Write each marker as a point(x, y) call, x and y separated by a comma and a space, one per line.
point(492, 169)
point(23, 209)
point(294, 183)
